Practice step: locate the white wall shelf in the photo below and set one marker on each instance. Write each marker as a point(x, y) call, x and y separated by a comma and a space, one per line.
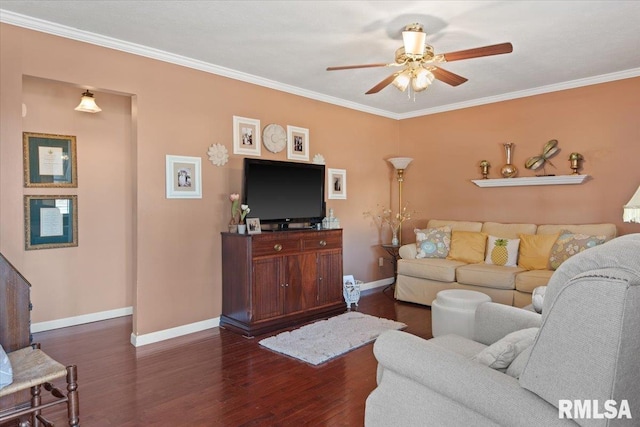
point(531, 180)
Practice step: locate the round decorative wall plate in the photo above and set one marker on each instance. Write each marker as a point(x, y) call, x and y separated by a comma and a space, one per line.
point(274, 138)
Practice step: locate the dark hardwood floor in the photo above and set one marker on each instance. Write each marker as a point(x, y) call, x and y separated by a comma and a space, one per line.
point(216, 377)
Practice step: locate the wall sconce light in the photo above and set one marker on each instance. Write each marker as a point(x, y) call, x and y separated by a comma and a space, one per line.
point(400, 164)
point(632, 209)
point(88, 104)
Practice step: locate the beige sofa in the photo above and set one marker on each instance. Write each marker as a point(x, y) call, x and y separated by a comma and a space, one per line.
point(419, 280)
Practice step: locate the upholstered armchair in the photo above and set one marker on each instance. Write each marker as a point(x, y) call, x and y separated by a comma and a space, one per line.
point(587, 349)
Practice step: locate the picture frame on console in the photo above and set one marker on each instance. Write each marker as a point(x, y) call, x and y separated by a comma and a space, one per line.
point(337, 183)
point(297, 143)
point(253, 226)
point(246, 136)
point(183, 177)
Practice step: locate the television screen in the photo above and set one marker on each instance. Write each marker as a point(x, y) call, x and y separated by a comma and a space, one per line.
point(284, 192)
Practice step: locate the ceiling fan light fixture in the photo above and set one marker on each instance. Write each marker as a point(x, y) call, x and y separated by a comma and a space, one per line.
point(422, 80)
point(402, 81)
point(414, 41)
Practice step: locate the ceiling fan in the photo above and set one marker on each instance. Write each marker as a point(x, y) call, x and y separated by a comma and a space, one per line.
point(420, 64)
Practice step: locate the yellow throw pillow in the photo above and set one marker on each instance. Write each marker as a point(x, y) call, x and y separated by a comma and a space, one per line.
point(467, 246)
point(535, 250)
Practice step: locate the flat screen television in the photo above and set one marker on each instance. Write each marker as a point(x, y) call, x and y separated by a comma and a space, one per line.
point(284, 192)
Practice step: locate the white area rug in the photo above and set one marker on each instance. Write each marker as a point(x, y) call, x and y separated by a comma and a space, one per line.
point(320, 341)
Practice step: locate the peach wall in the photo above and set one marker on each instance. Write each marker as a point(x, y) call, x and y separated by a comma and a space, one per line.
point(100, 267)
point(176, 243)
point(599, 121)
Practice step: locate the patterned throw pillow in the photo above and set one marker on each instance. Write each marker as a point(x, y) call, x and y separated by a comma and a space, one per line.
point(502, 251)
point(433, 242)
point(569, 244)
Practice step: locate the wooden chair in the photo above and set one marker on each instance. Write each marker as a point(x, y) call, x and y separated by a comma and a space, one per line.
point(33, 369)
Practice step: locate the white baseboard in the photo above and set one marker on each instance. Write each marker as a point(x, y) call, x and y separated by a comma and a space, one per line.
point(153, 337)
point(178, 331)
point(79, 320)
point(376, 284)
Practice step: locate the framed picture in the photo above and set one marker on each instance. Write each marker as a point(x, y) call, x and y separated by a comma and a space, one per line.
point(50, 222)
point(337, 183)
point(253, 226)
point(183, 177)
point(49, 160)
point(297, 143)
point(246, 136)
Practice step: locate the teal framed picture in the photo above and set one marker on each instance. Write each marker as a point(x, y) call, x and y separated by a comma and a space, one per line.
point(50, 221)
point(49, 160)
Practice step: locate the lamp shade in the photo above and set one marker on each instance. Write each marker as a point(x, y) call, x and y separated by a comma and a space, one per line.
point(400, 162)
point(414, 42)
point(402, 80)
point(632, 209)
point(423, 78)
point(88, 104)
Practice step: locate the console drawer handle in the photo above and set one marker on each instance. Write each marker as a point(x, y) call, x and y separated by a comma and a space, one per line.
point(323, 243)
point(277, 247)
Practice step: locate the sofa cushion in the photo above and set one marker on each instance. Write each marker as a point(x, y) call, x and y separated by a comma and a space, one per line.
point(455, 225)
point(607, 230)
point(458, 344)
point(501, 251)
point(527, 281)
point(509, 231)
point(488, 275)
point(500, 354)
point(467, 246)
point(433, 242)
point(440, 269)
point(569, 244)
point(535, 250)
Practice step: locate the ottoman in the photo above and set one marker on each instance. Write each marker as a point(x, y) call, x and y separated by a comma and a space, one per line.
point(454, 310)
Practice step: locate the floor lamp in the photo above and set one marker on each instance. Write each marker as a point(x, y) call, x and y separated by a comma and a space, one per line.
point(400, 164)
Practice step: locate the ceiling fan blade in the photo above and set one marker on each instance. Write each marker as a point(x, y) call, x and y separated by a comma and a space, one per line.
point(384, 83)
point(351, 67)
point(448, 77)
point(496, 49)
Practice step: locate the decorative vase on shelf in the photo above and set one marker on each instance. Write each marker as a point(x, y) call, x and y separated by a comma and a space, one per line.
point(509, 170)
point(394, 239)
point(242, 228)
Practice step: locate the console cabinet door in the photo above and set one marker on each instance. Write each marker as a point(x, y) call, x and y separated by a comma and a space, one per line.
point(268, 288)
point(300, 285)
point(329, 277)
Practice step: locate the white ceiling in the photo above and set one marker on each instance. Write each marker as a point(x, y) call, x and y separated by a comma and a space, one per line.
point(287, 45)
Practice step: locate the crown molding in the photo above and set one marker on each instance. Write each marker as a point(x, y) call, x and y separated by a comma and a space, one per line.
point(40, 25)
point(604, 78)
point(148, 52)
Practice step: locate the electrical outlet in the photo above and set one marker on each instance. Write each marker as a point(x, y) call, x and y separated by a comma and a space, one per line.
point(380, 262)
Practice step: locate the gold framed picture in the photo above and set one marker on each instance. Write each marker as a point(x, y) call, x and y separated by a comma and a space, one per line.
point(50, 221)
point(49, 160)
